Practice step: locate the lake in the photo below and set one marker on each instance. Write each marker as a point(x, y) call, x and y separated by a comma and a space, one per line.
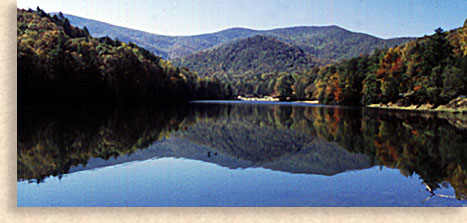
point(233, 153)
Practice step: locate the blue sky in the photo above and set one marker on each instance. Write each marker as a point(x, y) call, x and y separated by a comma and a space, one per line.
point(187, 17)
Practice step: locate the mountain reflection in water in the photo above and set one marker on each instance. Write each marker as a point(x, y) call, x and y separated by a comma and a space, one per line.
point(294, 139)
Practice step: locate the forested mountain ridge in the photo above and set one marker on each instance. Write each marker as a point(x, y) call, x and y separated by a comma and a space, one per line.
point(327, 42)
point(432, 69)
point(247, 57)
point(58, 60)
point(252, 66)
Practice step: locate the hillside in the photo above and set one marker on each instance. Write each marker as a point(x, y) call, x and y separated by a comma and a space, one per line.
point(59, 61)
point(327, 42)
point(332, 42)
point(247, 57)
point(251, 66)
point(168, 47)
point(149, 41)
point(430, 70)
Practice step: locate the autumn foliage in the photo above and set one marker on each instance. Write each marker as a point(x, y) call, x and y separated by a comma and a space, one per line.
point(57, 61)
point(431, 69)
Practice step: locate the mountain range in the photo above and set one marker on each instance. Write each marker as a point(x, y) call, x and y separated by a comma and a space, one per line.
point(326, 42)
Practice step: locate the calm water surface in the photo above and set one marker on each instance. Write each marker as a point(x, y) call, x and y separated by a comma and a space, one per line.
point(240, 154)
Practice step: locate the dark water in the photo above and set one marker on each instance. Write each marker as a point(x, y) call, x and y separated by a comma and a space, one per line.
point(240, 154)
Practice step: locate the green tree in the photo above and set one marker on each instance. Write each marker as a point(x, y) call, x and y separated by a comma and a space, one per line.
point(454, 83)
point(283, 86)
point(371, 90)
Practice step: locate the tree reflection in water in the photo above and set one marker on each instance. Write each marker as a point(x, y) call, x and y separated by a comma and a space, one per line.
point(296, 139)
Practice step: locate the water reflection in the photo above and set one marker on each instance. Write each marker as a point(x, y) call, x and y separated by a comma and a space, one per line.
point(295, 139)
point(53, 139)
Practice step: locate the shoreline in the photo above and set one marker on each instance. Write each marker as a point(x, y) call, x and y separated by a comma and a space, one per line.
point(458, 105)
point(273, 99)
point(455, 106)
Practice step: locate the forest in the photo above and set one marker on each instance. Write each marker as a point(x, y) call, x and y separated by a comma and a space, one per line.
point(432, 69)
point(57, 61)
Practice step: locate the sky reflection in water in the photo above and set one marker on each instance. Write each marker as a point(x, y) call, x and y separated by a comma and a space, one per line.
point(243, 155)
